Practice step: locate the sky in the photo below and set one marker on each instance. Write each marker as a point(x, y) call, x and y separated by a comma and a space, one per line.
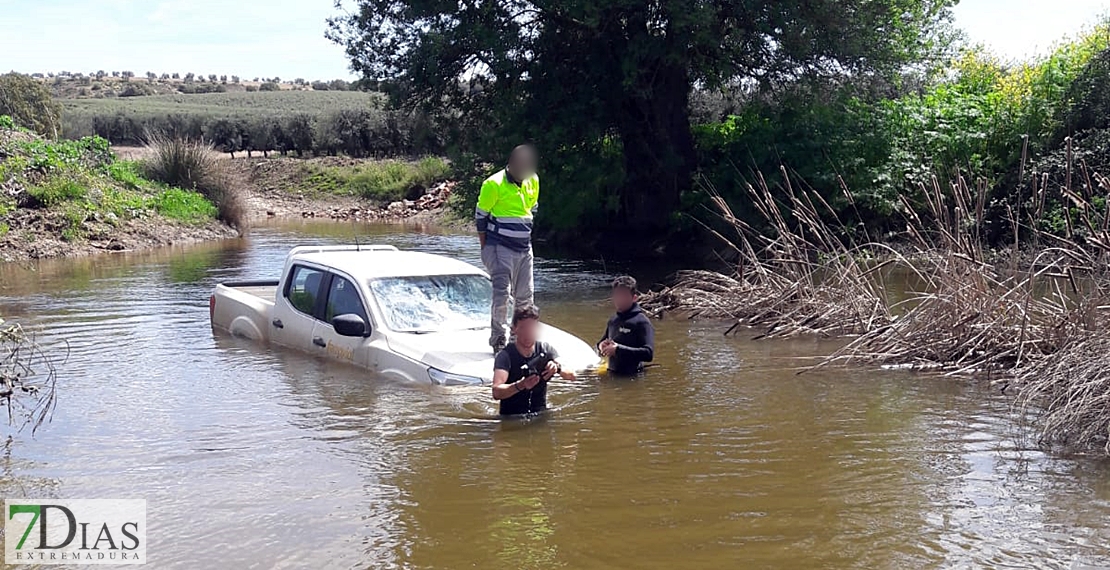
point(285, 38)
point(1018, 29)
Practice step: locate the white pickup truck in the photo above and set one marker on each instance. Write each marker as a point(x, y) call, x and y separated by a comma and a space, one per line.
point(403, 315)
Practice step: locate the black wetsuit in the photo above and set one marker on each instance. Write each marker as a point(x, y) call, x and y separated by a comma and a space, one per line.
point(525, 401)
point(635, 338)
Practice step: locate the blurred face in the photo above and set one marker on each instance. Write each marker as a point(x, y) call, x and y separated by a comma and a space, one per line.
point(522, 162)
point(526, 331)
point(623, 299)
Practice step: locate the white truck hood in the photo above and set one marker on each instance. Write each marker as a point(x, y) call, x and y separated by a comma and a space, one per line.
point(468, 353)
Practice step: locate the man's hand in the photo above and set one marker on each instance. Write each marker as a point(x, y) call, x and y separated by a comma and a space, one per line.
point(607, 347)
point(482, 239)
point(530, 382)
point(551, 370)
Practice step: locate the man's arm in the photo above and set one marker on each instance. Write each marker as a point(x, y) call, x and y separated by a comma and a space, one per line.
point(554, 367)
point(563, 373)
point(536, 205)
point(487, 199)
point(502, 389)
point(604, 338)
point(646, 351)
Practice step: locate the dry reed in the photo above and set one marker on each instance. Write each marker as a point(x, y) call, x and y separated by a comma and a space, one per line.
point(194, 165)
point(27, 379)
point(1038, 323)
point(800, 279)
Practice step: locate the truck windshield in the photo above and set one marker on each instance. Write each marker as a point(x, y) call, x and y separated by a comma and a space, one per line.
point(434, 303)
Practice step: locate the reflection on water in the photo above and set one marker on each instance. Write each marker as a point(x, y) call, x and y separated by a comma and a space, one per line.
point(720, 457)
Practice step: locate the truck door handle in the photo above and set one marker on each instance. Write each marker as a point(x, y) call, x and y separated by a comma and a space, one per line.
point(277, 323)
point(319, 342)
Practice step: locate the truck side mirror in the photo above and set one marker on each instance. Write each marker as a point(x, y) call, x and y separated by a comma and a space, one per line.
point(350, 325)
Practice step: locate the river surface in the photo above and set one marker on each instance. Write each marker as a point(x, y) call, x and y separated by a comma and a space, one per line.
point(720, 457)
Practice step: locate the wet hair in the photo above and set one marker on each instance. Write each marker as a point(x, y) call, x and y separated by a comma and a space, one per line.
point(525, 313)
point(626, 282)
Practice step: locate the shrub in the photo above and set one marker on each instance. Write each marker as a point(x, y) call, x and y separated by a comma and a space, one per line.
point(269, 86)
point(29, 103)
point(193, 165)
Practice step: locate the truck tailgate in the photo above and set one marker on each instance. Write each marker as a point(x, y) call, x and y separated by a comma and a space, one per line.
point(244, 308)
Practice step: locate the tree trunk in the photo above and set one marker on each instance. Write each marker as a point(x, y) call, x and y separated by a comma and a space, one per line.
point(659, 153)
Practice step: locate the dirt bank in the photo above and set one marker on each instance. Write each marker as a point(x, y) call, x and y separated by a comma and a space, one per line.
point(276, 189)
point(33, 234)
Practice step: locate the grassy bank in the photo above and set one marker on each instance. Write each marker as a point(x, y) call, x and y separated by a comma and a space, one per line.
point(65, 195)
point(381, 181)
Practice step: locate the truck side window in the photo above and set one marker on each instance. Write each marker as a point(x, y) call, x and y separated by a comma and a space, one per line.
point(343, 299)
point(304, 288)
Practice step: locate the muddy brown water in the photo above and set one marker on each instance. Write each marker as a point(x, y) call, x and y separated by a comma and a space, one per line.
point(720, 457)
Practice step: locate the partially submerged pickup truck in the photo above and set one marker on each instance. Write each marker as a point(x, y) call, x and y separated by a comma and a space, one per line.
point(403, 315)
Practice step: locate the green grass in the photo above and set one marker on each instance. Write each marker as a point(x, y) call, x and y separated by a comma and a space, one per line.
point(74, 182)
point(183, 205)
point(384, 181)
point(57, 189)
point(128, 173)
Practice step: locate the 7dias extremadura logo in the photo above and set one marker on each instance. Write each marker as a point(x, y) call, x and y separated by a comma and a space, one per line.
point(87, 531)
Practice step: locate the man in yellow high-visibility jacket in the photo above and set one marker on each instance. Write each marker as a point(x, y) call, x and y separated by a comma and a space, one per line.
point(506, 204)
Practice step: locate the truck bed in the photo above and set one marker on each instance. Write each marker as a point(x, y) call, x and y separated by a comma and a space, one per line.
point(243, 308)
point(263, 290)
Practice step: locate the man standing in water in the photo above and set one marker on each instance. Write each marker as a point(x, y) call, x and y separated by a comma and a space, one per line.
point(629, 339)
point(520, 387)
point(506, 204)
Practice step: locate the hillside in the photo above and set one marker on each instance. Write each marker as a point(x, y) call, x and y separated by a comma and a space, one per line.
point(101, 85)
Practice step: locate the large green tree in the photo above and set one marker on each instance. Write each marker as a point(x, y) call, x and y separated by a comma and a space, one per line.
point(28, 101)
point(578, 74)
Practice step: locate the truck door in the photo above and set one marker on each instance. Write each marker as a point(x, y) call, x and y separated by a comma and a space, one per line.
point(300, 298)
point(343, 298)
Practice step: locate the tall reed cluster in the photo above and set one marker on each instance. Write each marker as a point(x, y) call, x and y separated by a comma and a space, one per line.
point(1035, 320)
point(194, 165)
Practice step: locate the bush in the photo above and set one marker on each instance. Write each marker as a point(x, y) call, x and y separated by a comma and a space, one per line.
point(29, 104)
point(193, 165)
point(269, 86)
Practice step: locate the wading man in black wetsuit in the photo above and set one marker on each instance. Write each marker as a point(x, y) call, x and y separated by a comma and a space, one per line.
point(629, 339)
point(520, 390)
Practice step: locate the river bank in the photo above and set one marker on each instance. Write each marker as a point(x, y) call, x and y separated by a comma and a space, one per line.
point(80, 198)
